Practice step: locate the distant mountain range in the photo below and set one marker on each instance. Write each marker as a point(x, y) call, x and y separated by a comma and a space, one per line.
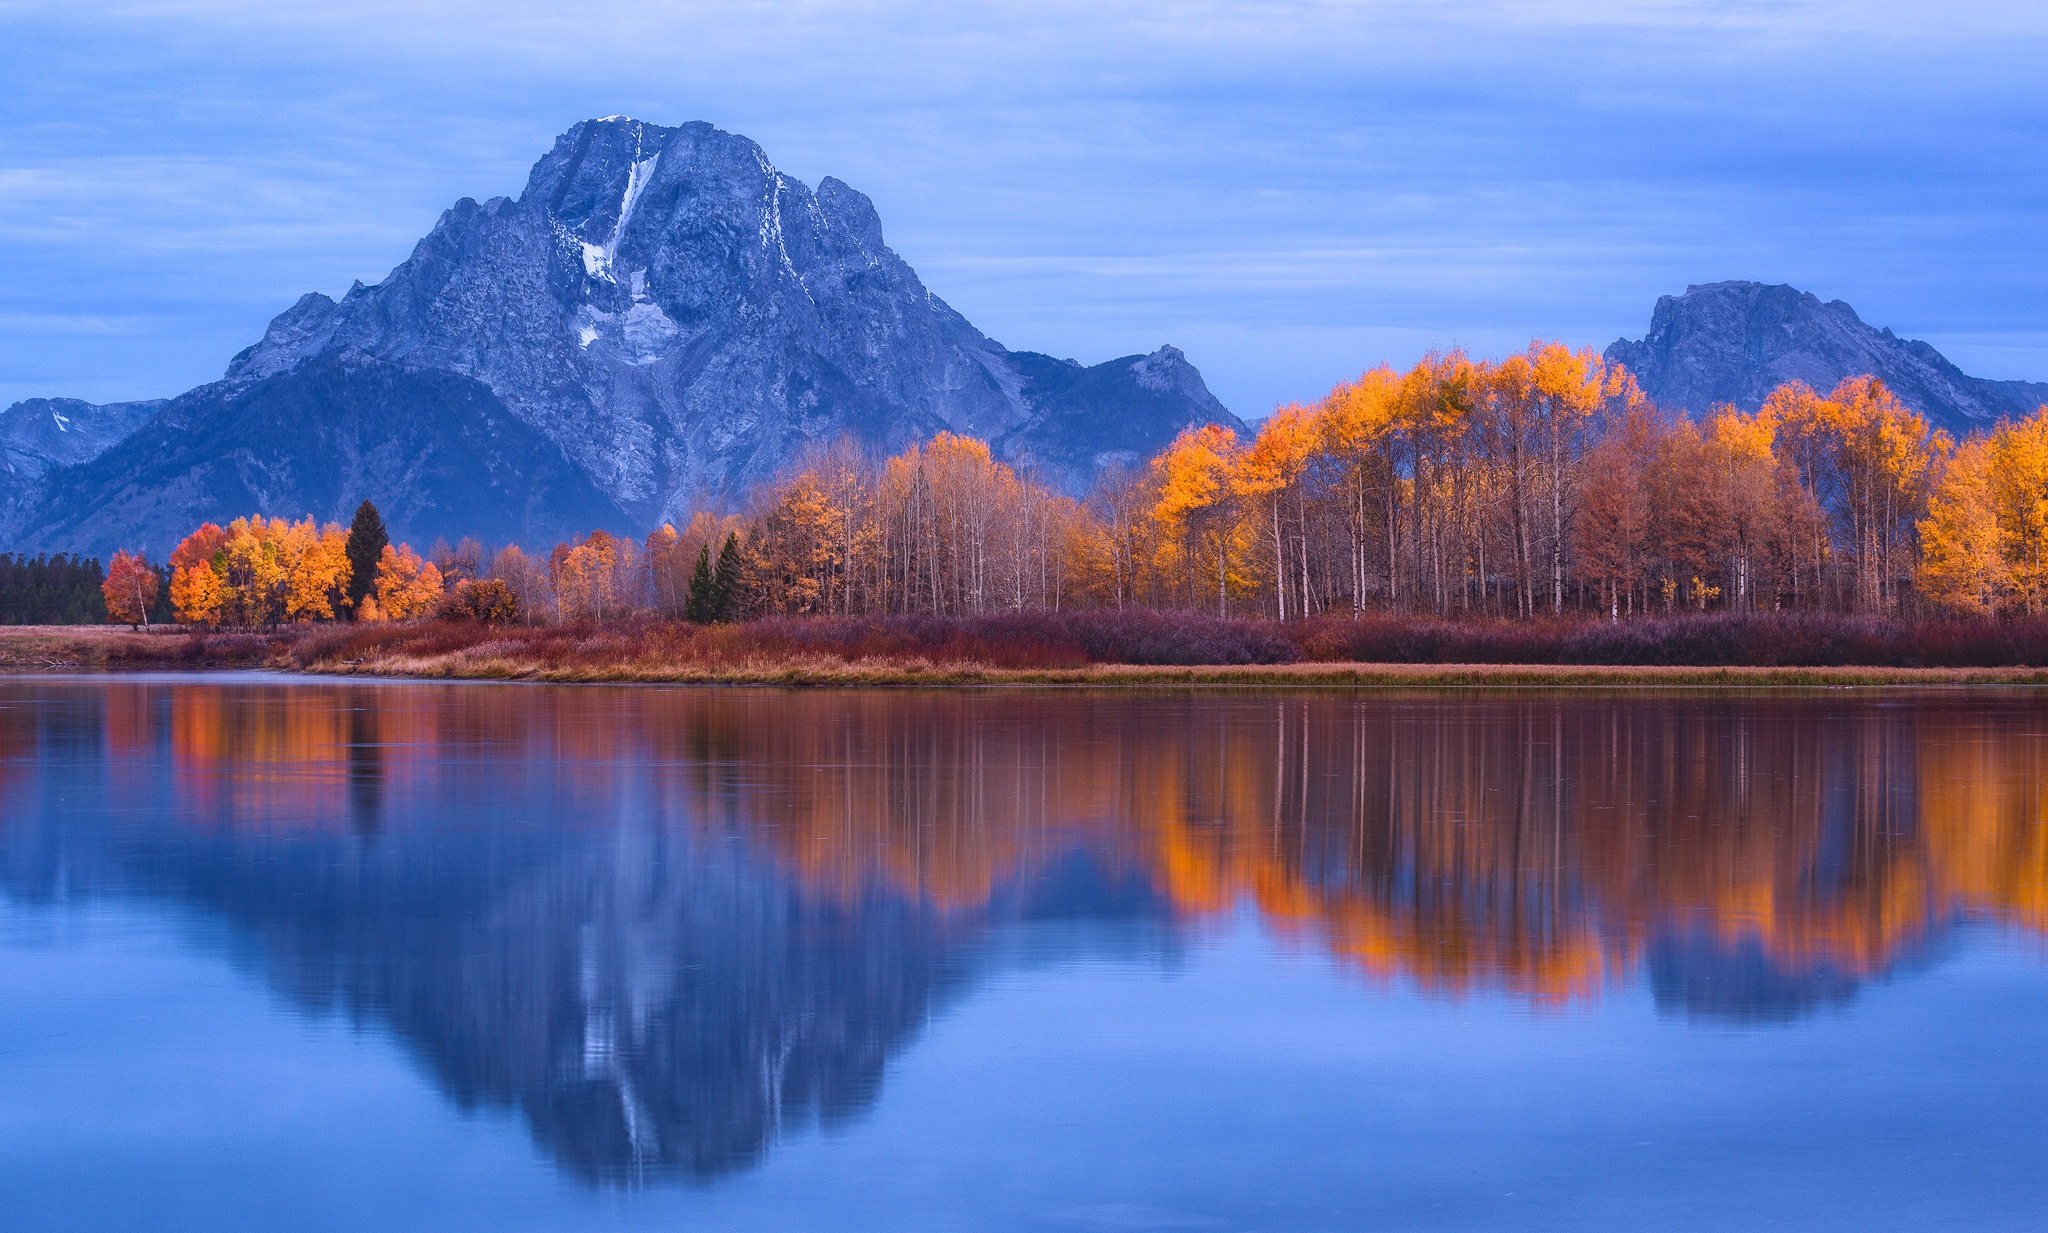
point(661, 318)
point(1735, 342)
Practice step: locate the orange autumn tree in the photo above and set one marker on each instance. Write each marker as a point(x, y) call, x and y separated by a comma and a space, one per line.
point(1611, 536)
point(597, 577)
point(130, 589)
point(317, 572)
point(259, 571)
point(1887, 460)
point(1985, 538)
point(1963, 564)
point(407, 586)
point(199, 575)
point(1359, 429)
point(1197, 506)
point(1272, 476)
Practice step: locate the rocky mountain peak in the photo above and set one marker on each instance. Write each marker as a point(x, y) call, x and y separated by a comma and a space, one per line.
point(674, 316)
point(1734, 342)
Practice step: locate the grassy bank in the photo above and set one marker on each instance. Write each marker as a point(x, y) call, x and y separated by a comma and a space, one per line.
point(116, 648)
point(1153, 648)
point(1098, 648)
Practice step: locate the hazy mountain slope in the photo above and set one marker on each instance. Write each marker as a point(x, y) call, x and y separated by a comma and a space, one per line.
point(1734, 342)
point(438, 453)
point(40, 434)
point(1121, 411)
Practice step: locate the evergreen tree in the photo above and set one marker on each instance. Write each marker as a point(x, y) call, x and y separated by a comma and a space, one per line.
point(726, 590)
point(702, 604)
point(51, 590)
point(366, 541)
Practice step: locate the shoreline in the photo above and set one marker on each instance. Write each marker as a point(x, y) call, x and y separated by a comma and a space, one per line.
point(28, 651)
point(1249, 676)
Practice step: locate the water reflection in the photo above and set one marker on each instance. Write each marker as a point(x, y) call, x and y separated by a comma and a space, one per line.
point(666, 926)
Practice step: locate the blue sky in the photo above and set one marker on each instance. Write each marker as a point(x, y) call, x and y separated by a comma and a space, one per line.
point(1290, 191)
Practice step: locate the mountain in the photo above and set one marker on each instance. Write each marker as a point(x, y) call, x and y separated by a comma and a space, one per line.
point(1735, 342)
point(40, 434)
point(663, 310)
point(438, 452)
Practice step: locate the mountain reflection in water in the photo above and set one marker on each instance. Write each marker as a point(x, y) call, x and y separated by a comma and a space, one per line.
point(666, 925)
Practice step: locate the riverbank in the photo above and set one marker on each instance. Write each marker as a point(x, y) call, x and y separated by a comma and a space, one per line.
point(914, 673)
point(828, 653)
point(116, 648)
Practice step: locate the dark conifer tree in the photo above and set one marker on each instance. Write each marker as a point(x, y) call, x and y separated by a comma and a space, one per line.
point(366, 541)
point(727, 588)
point(701, 605)
point(51, 590)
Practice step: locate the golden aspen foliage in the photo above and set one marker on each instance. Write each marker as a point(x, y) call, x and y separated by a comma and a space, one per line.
point(1963, 561)
point(318, 582)
point(1195, 506)
point(2019, 489)
point(1529, 486)
point(407, 586)
point(1985, 537)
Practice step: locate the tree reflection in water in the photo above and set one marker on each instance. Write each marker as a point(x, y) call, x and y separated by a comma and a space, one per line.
point(668, 925)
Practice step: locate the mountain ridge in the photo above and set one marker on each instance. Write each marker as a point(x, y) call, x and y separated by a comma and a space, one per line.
point(1736, 341)
point(661, 305)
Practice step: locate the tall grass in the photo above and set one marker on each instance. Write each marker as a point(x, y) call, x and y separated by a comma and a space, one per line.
point(1009, 641)
point(1806, 640)
point(1043, 641)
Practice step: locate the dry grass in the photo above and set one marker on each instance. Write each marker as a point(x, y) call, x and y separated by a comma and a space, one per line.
point(1091, 649)
point(487, 663)
point(116, 648)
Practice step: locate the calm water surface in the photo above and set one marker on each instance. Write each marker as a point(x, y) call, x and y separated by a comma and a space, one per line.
point(311, 955)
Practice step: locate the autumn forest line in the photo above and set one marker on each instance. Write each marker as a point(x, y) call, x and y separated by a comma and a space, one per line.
point(1541, 485)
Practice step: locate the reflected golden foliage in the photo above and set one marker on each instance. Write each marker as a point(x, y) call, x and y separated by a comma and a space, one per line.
point(1538, 845)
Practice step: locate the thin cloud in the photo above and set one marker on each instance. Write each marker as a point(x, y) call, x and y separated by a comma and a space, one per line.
point(1306, 180)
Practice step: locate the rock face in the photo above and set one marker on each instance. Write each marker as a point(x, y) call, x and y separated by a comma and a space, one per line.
point(668, 312)
point(1735, 342)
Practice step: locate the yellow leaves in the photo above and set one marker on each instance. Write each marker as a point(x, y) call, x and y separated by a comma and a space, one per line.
point(259, 571)
point(1361, 415)
point(197, 592)
point(320, 576)
point(1286, 441)
point(1985, 537)
point(1741, 438)
point(1570, 384)
point(583, 582)
point(2019, 490)
point(1962, 563)
point(407, 586)
point(1437, 396)
point(595, 577)
point(1195, 472)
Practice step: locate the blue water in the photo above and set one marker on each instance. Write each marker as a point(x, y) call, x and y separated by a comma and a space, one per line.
point(308, 955)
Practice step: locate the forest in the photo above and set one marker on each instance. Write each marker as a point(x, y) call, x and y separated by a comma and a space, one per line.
point(1538, 486)
point(50, 590)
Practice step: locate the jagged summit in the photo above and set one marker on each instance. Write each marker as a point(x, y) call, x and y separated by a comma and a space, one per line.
point(678, 319)
point(1734, 342)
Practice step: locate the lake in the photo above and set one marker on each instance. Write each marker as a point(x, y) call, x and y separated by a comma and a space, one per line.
point(319, 955)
